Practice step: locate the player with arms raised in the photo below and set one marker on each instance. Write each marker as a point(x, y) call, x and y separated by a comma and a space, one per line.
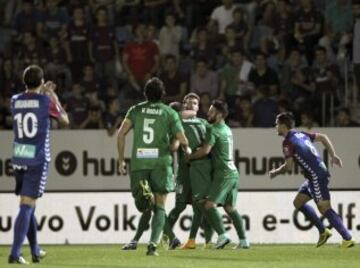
point(298, 146)
point(151, 161)
point(31, 112)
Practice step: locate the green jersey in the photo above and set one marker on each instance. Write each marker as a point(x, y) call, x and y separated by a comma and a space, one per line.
point(222, 152)
point(197, 133)
point(153, 124)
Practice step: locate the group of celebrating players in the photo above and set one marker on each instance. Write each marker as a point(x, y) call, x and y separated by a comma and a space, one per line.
point(206, 176)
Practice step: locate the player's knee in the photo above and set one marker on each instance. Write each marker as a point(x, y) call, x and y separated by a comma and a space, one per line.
point(323, 207)
point(209, 205)
point(229, 209)
point(27, 200)
point(297, 204)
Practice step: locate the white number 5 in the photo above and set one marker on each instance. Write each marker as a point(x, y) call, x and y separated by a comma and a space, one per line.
point(148, 136)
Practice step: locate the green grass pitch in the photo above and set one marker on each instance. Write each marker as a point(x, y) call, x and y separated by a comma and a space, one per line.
point(277, 256)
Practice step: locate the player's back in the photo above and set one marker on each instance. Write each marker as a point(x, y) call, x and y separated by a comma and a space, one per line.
point(31, 126)
point(305, 153)
point(222, 152)
point(196, 131)
point(153, 123)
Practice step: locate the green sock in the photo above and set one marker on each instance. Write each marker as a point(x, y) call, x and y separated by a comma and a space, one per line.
point(208, 231)
point(157, 224)
point(143, 224)
point(172, 218)
point(238, 224)
point(196, 220)
point(215, 220)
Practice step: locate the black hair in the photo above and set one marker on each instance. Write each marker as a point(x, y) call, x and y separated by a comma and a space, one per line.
point(287, 119)
point(33, 76)
point(170, 57)
point(154, 89)
point(221, 106)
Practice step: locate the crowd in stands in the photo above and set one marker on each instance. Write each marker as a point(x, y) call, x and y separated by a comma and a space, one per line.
point(261, 56)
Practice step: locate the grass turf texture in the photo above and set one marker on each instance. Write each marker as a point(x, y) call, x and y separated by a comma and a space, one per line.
point(103, 256)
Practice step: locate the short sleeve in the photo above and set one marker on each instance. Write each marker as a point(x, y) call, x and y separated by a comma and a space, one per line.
point(131, 114)
point(54, 110)
point(210, 137)
point(288, 149)
point(175, 123)
point(311, 136)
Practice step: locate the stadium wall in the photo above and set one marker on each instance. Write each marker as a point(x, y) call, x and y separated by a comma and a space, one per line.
point(88, 202)
point(102, 218)
point(86, 161)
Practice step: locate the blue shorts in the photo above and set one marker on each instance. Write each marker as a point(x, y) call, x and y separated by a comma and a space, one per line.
point(31, 180)
point(316, 188)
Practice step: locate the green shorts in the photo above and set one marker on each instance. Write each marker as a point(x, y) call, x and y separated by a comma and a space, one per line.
point(223, 191)
point(200, 177)
point(160, 179)
point(183, 186)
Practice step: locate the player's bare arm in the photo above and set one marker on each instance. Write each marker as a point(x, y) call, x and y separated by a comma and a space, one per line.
point(286, 166)
point(324, 139)
point(124, 129)
point(174, 146)
point(203, 151)
point(187, 114)
point(49, 89)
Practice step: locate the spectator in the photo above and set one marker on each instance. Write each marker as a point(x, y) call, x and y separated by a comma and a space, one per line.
point(9, 82)
point(302, 89)
point(307, 29)
point(343, 119)
point(93, 120)
point(89, 81)
point(338, 27)
point(204, 80)
point(202, 48)
point(307, 121)
point(77, 106)
point(31, 52)
point(265, 109)
point(56, 67)
point(234, 77)
point(223, 15)
point(241, 28)
point(170, 36)
point(154, 11)
point(53, 21)
point(241, 115)
point(103, 47)
point(174, 81)
point(205, 103)
point(77, 41)
point(26, 19)
point(262, 75)
point(231, 42)
point(112, 117)
point(293, 63)
point(284, 27)
point(141, 61)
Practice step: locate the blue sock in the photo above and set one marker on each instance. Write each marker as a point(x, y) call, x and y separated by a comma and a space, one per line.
point(337, 223)
point(310, 214)
point(21, 228)
point(32, 235)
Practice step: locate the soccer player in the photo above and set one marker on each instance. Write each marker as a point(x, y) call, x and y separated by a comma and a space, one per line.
point(298, 146)
point(151, 162)
point(224, 186)
point(31, 112)
point(193, 179)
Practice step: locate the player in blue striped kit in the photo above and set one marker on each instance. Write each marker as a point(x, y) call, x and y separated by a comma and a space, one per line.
point(299, 146)
point(31, 112)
